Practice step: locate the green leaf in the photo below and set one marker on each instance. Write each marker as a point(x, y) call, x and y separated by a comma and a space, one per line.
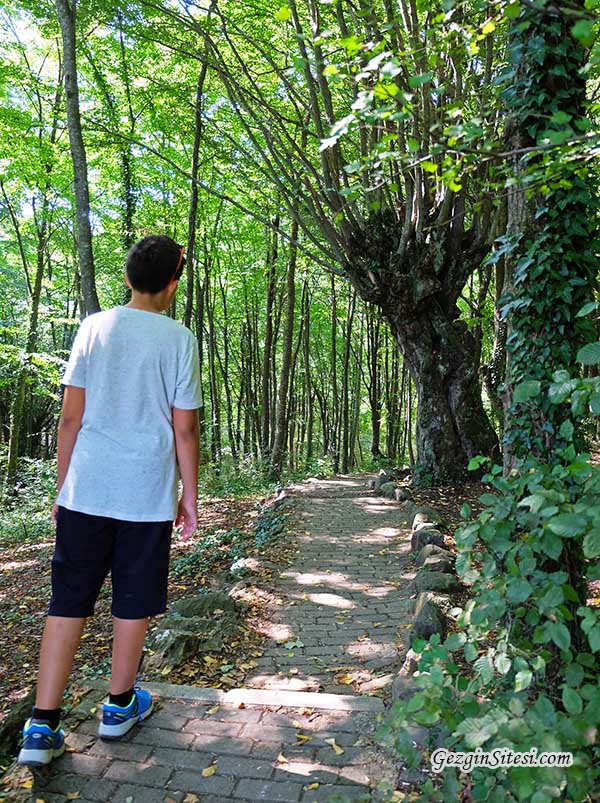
point(477, 730)
point(567, 525)
point(470, 652)
point(589, 354)
point(574, 675)
point(454, 641)
point(567, 429)
point(523, 679)
point(559, 634)
point(284, 14)
point(526, 390)
point(416, 702)
point(418, 80)
point(518, 590)
point(503, 663)
point(572, 701)
point(477, 461)
point(429, 167)
point(583, 30)
point(586, 309)
point(591, 543)
point(512, 10)
point(594, 638)
point(427, 717)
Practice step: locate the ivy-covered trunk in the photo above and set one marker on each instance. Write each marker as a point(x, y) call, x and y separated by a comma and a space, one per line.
point(550, 238)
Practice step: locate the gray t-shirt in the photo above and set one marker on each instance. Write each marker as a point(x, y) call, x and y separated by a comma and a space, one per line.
point(135, 366)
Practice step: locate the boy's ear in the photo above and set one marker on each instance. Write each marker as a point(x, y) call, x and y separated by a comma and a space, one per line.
point(127, 282)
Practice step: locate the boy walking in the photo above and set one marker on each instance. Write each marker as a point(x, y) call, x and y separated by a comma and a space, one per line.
point(128, 426)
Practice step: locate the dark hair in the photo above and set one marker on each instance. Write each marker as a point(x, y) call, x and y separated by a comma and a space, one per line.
point(151, 263)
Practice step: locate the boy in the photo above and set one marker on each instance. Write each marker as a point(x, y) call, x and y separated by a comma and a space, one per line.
point(128, 422)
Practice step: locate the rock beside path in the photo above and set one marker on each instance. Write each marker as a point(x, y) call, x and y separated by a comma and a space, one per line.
point(424, 537)
point(198, 624)
point(436, 581)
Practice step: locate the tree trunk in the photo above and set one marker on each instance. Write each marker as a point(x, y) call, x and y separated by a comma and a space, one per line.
point(200, 339)
point(373, 345)
point(307, 376)
point(66, 16)
point(417, 292)
point(345, 386)
point(286, 358)
point(268, 347)
point(193, 212)
point(452, 426)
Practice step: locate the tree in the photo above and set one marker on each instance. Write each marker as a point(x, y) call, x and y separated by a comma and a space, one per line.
point(373, 208)
point(67, 16)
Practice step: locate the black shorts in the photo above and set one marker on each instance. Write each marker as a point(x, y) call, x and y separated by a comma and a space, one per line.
point(136, 553)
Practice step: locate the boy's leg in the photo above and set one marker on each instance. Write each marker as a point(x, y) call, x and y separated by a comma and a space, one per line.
point(128, 642)
point(139, 583)
point(59, 645)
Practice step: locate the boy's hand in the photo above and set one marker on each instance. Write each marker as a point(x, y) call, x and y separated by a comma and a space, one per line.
point(187, 518)
point(54, 513)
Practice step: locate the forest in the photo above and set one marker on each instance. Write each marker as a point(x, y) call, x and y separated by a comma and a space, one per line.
point(389, 212)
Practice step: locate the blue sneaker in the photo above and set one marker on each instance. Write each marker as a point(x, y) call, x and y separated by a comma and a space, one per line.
point(118, 720)
point(40, 743)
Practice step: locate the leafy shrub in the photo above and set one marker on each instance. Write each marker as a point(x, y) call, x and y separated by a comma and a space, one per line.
point(26, 515)
point(522, 670)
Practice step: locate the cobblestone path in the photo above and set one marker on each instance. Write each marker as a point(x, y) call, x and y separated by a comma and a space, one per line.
point(301, 730)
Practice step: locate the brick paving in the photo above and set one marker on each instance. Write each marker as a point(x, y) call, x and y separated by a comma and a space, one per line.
point(301, 730)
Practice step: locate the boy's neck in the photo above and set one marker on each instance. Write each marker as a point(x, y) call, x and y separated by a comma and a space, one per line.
point(150, 302)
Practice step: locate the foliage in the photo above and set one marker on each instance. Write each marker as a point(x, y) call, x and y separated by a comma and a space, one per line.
point(207, 551)
point(522, 669)
point(28, 518)
point(551, 240)
point(513, 675)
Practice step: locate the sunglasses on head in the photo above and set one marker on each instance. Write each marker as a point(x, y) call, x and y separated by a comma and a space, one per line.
point(179, 261)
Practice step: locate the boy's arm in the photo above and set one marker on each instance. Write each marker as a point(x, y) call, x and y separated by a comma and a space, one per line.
point(69, 425)
point(187, 446)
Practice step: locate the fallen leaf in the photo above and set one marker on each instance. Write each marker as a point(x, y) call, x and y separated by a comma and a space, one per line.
point(208, 771)
point(282, 759)
point(28, 784)
point(191, 798)
point(314, 785)
point(165, 670)
point(302, 738)
point(339, 750)
point(75, 796)
point(93, 710)
point(213, 710)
